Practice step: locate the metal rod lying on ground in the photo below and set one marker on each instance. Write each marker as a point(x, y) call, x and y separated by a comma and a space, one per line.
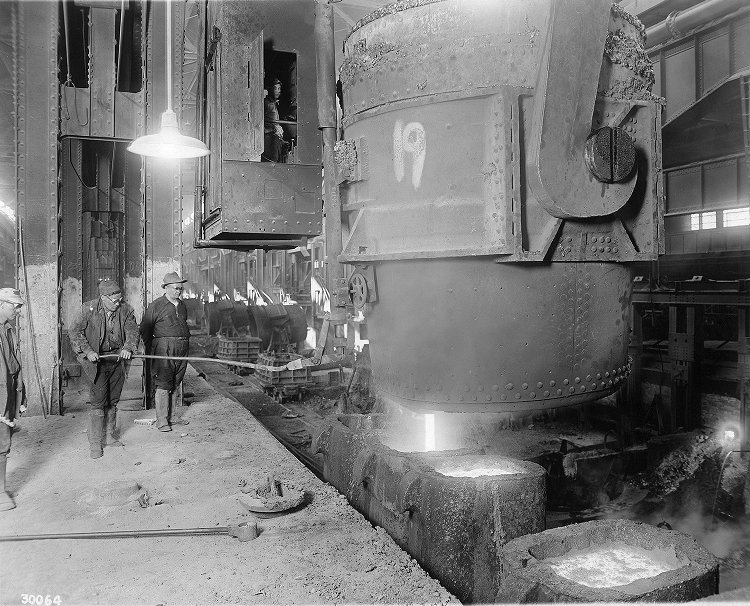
point(245, 531)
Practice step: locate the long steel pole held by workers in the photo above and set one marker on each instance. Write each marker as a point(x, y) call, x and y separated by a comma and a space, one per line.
point(325, 60)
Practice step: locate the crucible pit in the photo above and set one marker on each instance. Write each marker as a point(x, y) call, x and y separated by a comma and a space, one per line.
point(606, 561)
point(450, 510)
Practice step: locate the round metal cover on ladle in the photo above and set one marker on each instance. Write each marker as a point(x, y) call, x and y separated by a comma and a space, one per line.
point(610, 154)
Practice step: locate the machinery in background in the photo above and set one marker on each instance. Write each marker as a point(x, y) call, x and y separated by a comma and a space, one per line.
point(690, 308)
point(265, 334)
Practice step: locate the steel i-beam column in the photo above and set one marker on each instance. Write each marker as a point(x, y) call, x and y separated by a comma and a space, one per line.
point(685, 353)
point(337, 284)
point(36, 109)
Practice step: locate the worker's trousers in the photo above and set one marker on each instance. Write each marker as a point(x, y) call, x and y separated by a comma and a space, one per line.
point(107, 387)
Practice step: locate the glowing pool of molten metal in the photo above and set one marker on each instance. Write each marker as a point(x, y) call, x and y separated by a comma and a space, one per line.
point(466, 471)
point(613, 564)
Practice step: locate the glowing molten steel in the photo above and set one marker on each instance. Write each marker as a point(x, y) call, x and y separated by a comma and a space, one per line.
point(613, 564)
point(469, 471)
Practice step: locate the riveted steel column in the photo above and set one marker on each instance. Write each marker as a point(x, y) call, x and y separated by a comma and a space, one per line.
point(163, 229)
point(325, 53)
point(743, 378)
point(686, 355)
point(37, 127)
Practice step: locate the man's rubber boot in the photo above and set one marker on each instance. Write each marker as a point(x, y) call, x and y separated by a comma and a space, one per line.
point(96, 432)
point(173, 420)
point(111, 438)
point(6, 502)
point(161, 401)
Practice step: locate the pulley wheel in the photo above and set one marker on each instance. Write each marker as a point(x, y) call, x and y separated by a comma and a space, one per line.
point(358, 291)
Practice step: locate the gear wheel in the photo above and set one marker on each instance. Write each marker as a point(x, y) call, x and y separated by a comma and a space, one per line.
point(358, 291)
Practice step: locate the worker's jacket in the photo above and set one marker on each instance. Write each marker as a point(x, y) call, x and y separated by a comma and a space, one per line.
point(12, 391)
point(164, 319)
point(87, 332)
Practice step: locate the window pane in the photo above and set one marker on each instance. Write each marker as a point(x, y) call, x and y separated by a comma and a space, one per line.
point(708, 220)
point(695, 222)
point(736, 217)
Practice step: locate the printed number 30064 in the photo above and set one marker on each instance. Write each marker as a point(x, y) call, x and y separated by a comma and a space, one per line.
point(41, 600)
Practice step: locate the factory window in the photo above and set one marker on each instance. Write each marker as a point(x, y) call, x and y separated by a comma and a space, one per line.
point(705, 220)
point(737, 217)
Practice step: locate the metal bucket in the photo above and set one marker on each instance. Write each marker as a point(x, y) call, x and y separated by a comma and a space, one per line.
point(492, 251)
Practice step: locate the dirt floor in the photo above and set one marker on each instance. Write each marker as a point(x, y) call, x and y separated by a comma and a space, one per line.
point(617, 488)
point(321, 552)
point(324, 551)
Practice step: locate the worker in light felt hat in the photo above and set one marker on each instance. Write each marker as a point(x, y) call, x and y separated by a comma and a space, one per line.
point(106, 325)
point(165, 332)
point(12, 391)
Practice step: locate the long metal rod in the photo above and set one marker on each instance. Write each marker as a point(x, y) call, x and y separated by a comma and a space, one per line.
point(335, 363)
point(120, 534)
point(194, 359)
point(30, 324)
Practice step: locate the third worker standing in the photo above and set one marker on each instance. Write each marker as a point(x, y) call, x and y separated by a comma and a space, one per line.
point(165, 332)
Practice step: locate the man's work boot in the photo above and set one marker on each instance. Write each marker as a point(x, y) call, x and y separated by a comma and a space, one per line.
point(173, 420)
point(96, 432)
point(111, 438)
point(161, 401)
point(6, 502)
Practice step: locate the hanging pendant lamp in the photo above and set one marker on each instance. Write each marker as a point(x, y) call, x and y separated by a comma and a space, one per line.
point(168, 142)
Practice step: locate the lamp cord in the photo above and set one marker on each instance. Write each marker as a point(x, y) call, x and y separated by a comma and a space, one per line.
point(120, 46)
point(169, 55)
point(69, 79)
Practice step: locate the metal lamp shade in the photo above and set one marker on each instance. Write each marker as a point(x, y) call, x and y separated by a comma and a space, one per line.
point(168, 142)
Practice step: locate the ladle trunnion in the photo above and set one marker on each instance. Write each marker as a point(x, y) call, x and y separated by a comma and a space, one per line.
point(500, 172)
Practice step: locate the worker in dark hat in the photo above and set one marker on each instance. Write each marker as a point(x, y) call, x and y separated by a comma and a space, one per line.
point(165, 332)
point(106, 325)
point(274, 145)
point(12, 390)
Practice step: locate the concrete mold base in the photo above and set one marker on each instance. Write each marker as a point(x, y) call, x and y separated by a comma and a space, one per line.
point(654, 565)
point(450, 510)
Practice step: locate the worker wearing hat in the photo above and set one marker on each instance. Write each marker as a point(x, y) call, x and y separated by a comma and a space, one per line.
point(165, 332)
point(106, 325)
point(274, 145)
point(12, 390)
